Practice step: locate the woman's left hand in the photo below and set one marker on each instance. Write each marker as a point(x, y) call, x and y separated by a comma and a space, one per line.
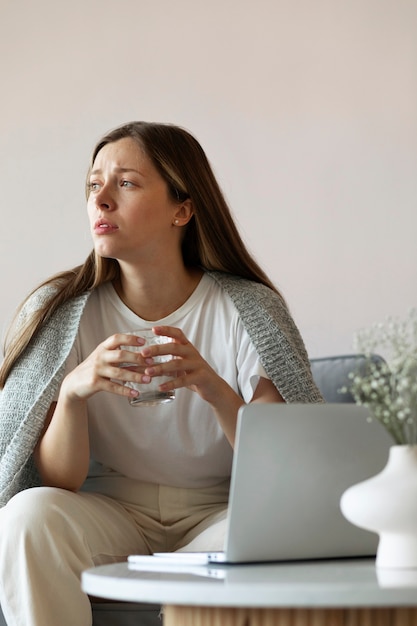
point(187, 367)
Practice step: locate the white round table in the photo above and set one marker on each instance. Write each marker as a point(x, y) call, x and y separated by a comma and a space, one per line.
point(331, 593)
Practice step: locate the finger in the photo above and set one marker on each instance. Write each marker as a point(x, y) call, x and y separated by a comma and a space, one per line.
point(170, 331)
point(178, 381)
point(126, 374)
point(114, 342)
point(121, 390)
point(128, 358)
point(174, 349)
point(172, 368)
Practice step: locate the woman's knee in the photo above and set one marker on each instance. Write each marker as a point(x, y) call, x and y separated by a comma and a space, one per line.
point(33, 509)
point(208, 536)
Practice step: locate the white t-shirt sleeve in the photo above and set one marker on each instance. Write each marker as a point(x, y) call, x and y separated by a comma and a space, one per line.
point(250, 369)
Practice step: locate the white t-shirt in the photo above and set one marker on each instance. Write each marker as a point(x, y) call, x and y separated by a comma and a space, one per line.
point(179, 443)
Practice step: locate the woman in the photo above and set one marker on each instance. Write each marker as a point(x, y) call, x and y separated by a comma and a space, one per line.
point(100, 478)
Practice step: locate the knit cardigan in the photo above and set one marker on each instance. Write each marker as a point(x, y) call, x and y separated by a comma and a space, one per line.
point(37, 375)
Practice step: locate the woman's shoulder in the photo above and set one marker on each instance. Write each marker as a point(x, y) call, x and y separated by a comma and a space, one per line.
point(39, 299)
point(44, 294)
point(240, 288)
point(235, 281)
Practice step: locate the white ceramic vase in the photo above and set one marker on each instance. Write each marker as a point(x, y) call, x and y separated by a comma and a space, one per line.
point(387, 504)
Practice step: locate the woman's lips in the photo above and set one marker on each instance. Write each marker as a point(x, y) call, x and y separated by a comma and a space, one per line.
point(104, 227)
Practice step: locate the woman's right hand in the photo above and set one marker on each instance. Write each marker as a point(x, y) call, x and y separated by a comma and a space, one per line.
point(106, 369)
point(63, 451)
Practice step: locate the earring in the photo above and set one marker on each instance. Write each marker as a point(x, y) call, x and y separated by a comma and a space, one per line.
point(176, 221)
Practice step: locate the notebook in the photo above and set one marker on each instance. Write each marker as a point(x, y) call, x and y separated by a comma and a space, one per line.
point(292, 464)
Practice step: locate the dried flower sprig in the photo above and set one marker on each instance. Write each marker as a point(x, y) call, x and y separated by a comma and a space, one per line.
point(389, 389)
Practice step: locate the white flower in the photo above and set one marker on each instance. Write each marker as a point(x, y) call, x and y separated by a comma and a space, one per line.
point(389, 389)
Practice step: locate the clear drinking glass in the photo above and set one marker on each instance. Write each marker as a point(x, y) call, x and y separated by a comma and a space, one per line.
point(149, 394)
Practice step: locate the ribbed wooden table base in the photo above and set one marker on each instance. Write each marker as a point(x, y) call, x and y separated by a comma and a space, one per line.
point(209, 616)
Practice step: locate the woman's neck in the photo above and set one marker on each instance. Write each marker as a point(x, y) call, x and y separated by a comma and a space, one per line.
point(154, 296)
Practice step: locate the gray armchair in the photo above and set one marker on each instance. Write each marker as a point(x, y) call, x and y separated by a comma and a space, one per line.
point(332, 373)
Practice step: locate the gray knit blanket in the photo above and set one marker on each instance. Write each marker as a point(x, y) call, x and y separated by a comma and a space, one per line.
point(37, 375)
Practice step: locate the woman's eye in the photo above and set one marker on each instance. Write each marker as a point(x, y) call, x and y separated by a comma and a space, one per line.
point(93, 186)
point(127, 183)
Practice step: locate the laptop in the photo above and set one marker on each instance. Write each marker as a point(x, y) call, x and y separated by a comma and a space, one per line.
point(291, 465)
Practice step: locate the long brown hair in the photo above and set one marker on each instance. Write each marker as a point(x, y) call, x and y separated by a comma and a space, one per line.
point(211, 239)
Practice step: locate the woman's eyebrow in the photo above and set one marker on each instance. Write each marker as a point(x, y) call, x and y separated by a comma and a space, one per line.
point(119, 170)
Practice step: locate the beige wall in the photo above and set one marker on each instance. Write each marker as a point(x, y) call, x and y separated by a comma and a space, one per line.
point(306, 109)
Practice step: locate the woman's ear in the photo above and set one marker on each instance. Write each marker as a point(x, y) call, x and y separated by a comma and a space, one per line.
point(183, 213)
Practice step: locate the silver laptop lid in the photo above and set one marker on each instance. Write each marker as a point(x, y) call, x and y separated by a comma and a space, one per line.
point(292, 464)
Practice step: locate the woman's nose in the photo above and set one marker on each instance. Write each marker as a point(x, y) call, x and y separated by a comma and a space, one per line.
point(104, 199)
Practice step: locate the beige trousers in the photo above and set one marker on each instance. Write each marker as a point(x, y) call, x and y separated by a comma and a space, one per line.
point(49, 536)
